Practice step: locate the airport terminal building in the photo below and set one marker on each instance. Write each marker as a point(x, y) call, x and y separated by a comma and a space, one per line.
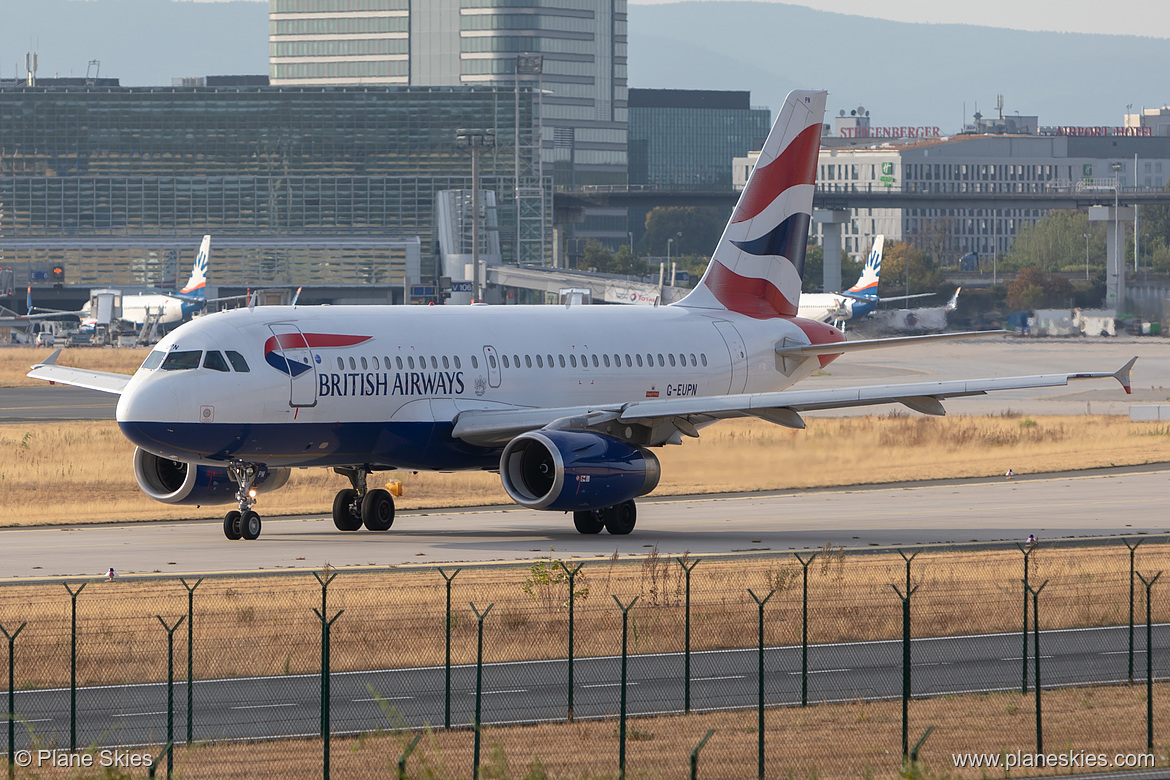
point(323, 186)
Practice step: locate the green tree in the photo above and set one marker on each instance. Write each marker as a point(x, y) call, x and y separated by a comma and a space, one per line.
point(1033, 289)
point(925, 276)
point(694, 229)
point(1057, 243)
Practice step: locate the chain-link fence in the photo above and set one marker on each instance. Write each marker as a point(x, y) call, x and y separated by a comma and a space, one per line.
point(821, 663)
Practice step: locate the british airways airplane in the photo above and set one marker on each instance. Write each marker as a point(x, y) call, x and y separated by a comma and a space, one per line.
point(567, 403)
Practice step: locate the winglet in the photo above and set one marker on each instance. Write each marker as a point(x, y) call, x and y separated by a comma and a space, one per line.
point(1122, 374)
point(51, 360)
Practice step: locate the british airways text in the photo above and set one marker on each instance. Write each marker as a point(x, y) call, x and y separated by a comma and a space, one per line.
point(403, 383)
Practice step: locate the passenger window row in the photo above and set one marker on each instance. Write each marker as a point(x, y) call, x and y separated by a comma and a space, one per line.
point(541, 361)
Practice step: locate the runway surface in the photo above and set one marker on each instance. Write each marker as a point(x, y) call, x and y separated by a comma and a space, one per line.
point(1077, 505)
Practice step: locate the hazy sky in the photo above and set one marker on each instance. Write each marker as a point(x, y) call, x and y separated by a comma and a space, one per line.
point(1118, 17)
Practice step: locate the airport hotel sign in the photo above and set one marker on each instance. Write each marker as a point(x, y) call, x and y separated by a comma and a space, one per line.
point(1098, 131)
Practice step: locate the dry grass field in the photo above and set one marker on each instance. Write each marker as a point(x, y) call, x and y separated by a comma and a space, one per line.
point(85, 467)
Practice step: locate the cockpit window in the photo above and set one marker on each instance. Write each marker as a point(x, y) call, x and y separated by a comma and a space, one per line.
point(154, 359)
point(237, 360)
point(181, 361)
point(214, 360)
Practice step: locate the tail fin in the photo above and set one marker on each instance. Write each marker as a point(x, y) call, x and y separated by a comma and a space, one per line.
point(197, 283)
point(28, 307)
point(757, 266)
point(867, 284)
point(953, 303)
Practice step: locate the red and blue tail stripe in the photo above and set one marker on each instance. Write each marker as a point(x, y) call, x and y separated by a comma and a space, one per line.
point(757, 267)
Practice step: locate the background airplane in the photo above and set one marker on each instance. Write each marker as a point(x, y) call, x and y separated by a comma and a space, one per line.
point(566, 403)
point(856, 302)
point(166, 308)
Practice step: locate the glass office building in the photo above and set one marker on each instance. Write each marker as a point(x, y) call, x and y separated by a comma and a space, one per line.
point(687, 139)
point(576, 48)
point(124, 172)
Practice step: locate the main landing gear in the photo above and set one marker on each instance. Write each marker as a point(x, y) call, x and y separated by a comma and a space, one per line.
point(358, 506)
point(242, 523)
point(619, 520)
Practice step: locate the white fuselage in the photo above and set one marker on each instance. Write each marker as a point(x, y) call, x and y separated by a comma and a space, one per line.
point(382, 385)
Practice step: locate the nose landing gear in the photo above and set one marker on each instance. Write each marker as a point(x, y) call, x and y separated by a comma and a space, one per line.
point(242, 523)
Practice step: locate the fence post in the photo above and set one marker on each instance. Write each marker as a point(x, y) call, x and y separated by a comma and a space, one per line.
point(1132, 550)
point(804, 630)
point(326, 627)
point(760, 708)
point(1027, 551)
point(622, 723)
point(73, 664)
point(905, 664)
point(447, 666)
point(324, 581)
point(479, 616)
point(687, 640)
point(405, 755)
point(170, 687)
point(572, 573)
point(12, 697)
point(154, 764)
point(190, 652)
point(1149, 663)
point(1036, 652)
point(695, 753)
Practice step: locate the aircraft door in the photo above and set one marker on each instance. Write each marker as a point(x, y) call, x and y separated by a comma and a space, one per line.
point(738, 354)
point(493, 365)
point(288, 351)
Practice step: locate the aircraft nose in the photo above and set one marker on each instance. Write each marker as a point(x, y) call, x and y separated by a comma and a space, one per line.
point(145, 413)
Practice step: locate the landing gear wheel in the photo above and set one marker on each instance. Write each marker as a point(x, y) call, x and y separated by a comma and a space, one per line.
point(344, 516)
point(378, 510)
point(620, 519)
point(250, 525)
point(589, 522)
point(231, 525)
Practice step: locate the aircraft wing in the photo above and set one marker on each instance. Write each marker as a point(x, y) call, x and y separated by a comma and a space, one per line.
point(668, 417)
point(102, 381)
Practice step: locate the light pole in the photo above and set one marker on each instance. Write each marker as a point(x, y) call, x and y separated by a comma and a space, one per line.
point(669, 241)
point(1116, 166)
point(475, 141)
point(1087, 256)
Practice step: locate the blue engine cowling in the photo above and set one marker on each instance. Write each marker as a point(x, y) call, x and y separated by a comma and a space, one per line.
point(575, 470)
point(176, 482)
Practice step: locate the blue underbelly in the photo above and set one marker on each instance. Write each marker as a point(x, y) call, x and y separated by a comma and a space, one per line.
point(405, 445)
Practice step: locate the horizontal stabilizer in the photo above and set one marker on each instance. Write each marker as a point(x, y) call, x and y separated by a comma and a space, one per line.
point(840, 347)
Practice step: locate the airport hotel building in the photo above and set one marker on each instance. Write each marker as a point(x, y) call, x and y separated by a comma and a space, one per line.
point(1008, 155)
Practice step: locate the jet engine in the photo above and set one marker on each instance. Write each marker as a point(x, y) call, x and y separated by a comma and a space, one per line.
point(575, 470)
point(176, 482)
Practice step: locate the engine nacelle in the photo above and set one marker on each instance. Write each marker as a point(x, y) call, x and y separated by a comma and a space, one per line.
point(575, 470)
point(176, 482)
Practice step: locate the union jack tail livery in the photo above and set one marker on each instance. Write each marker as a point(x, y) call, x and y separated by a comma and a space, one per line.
point(867, 284)
point(197, 283)
point(757, 267)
